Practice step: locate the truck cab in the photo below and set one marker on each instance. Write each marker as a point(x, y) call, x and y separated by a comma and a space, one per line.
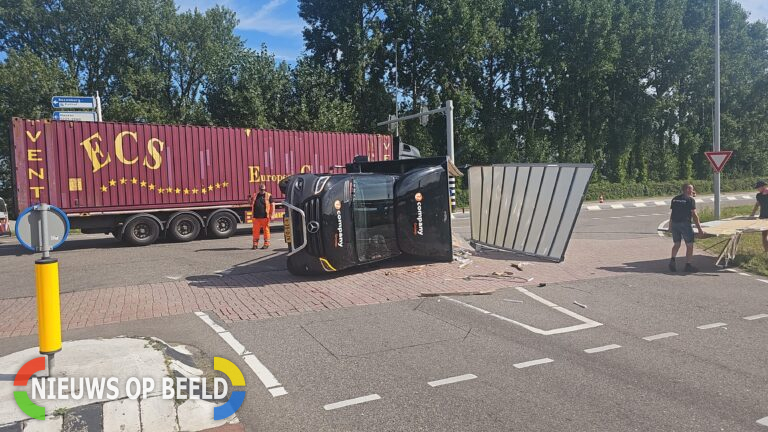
point(375, 211)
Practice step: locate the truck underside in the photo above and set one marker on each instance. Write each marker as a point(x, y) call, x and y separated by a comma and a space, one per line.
point(376, 211)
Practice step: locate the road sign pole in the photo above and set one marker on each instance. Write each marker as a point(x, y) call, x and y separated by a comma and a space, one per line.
point(716, 143)
point(98, 107)
point(47, 290)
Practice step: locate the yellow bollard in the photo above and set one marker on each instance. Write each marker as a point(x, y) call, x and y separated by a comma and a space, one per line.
point(48, 305)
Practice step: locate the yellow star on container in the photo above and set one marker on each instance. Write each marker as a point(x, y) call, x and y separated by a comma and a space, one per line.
point(134, 180)
point(123, 181)
point(194, 191)
point(143, 183)
point(103, 188)
point(169, 190)
point(204, 191)
point(225, 184)
point(210, 188)
point(178, 191)
point(218, 185)
point(151, 187)
point(186, 191)
point(112, 183)
point(160, 191)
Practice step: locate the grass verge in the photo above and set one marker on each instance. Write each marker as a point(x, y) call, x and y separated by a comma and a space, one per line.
point(750, 257)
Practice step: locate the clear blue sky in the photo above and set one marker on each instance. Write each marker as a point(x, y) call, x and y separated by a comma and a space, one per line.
point(276, 23)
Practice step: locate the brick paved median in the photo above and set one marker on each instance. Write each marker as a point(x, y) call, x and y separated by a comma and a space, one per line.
point(270, 294)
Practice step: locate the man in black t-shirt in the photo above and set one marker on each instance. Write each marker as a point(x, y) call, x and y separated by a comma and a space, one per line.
point(683, 210)
point(762, 204)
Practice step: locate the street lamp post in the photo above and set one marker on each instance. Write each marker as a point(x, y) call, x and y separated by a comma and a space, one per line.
point(716, 132)
point(397, 90)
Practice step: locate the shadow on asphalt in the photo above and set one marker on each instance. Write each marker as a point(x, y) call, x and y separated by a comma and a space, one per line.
point(706, 266)
point(273, 269)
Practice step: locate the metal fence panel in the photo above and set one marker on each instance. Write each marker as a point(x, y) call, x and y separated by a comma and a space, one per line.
point(527, 208)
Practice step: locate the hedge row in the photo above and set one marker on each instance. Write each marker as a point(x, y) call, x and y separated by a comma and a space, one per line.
point(616, 191)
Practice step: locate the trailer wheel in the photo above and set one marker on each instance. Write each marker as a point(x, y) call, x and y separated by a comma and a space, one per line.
point(141, 231)
point(222, 225)
point(184, 228)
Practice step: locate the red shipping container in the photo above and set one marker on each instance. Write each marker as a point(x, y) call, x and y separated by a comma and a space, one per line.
point(89, 168)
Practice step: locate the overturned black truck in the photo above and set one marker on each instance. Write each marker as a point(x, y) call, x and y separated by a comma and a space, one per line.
point(374, 211)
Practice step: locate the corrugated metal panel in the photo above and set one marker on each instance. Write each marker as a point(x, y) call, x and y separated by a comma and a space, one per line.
point(85, 167)
point(528, 208)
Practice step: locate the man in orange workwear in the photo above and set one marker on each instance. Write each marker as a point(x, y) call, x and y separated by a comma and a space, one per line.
point(261, 208)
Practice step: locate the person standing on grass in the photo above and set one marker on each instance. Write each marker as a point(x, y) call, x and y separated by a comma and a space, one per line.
point(683, 210)
point(762, 204)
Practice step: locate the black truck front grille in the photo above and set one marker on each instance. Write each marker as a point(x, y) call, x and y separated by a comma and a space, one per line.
point(313, 212)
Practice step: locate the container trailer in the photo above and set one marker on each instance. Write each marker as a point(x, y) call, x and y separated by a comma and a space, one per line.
point(141, 182)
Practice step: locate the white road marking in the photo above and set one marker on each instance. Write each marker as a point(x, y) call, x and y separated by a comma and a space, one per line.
point(698, 200)
point(617, 206)
point(643, 215)
point(763, 421)
point(532, 363)
point(639, 204)
point(730, 198)
point(660, 230)
point(731, 270)
point(744, 274)
point(452, 380)
point(762, 280)
point(261, 371)
point(615, 217)
point(660, 203)
point(629, 216)
point(756, 317)
point(747, 196)
point(587, 323)
point(660, 336)
point(596, 218)
point(466, 304)
point(658, 214)
point(593, 207)
point(350, 402)
point(711, 326)
point(602, 348)
point(174, 277)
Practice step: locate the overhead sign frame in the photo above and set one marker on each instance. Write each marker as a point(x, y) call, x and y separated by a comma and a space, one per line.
point(718, 159)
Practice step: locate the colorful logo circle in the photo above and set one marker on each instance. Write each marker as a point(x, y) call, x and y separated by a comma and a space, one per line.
point(419, 197)
point(337, 205)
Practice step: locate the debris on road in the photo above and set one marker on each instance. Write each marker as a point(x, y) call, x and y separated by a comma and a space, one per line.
point(579, 304)
point(518, 266)
point(542, 284)
point(454, 293)
point(498, 275)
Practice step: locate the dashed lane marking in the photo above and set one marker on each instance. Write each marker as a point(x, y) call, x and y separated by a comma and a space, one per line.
point(350, 402)
point(660, 336)
point(744, 274)
point(756, 317)
point(452, 380)
point(730, 198)
point(762, 280)
point(261, 371)
point(711, 326)
point(639, 204)
point(763, 421)
point(602, 348)
point(660, 203)
point(593, 207)
point(532, 363)
point(617, 206)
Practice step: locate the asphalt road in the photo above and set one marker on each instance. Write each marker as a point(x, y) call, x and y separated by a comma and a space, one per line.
point(642, 351)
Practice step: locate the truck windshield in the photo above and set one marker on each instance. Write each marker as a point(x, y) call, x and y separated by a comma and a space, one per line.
point(374, 217)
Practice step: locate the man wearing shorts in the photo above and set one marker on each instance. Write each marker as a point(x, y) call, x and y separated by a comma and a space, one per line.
point(762, 204)
point(683, 210)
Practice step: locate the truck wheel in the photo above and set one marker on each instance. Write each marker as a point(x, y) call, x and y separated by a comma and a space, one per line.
point(222, 225)
point(184, 228)
point(141, 231)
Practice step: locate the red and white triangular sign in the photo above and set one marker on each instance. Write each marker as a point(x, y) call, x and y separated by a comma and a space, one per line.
point(718, 159)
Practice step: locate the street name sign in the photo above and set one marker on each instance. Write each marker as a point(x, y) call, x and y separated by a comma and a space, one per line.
point(73, 102)
point(75, 116)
